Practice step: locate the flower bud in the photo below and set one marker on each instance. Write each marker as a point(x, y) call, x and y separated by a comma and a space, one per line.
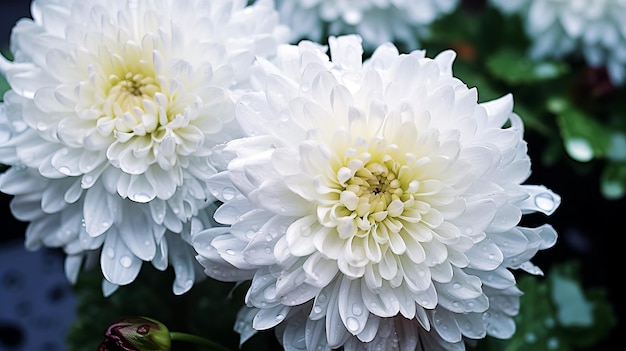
point(136, 334)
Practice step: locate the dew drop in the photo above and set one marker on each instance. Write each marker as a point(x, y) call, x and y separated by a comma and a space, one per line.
point(268, 250)
point(579, 149)
point(280, 317)
point(456, 285)
point(105, 224)
point(249, 234)
point(545, 202)
point(469, 230)
point(42, 126)
point(492, 256)
point(65, 170)
point(456, 304)
point(357, 310)
point(421, 273)
point(230, 252)
point(125, 261)
point(141, 198)
point(353, 324)
point(317, 309)
point(321, 298)
point(229, 193)
point(268, 237)
point(110, 252)
point(270, 292)
point(146, 243)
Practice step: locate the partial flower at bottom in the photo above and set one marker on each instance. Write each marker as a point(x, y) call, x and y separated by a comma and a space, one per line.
point(113, 110)
point(374, 203)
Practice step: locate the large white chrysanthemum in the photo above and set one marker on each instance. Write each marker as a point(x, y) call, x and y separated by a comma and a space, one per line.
point(376, 21)
point(595, 29)
point(374, 202)
point(113, 110)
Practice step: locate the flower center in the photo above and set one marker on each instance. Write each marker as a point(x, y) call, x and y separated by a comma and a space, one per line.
point(130, 90)
point(374, 186)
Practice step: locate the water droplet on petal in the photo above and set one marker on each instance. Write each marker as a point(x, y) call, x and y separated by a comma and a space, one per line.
point(456, 285)
point(280, 317)
point(42, 126)
point(357, 310)
point(110, 252)
point(229, 193)
point(321, 297)
point(268, 237)
point(65, 170)
point(249, 234)
point(141, 197)
point(353, 324)
point(125, 261)
point(230, 252)
point(545, 202)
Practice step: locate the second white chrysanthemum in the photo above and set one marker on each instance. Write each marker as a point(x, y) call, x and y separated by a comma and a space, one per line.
point(374, 203)
point(594, 29)
point(113, 110)
point(377, 22)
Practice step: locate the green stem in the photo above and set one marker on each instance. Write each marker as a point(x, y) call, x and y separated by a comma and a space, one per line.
point(176, 336)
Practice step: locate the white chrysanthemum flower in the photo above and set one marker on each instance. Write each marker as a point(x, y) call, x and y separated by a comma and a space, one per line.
point(373, 197)
point(595, 29)
point(376, 21)
point(113, 110)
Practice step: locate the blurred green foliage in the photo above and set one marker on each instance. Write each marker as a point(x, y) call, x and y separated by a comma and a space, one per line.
point(557, 314)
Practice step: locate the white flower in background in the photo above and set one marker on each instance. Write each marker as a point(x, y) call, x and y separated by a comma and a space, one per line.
point(377, 21)
point(595, 29)
point(113, 110)
point(374, 203)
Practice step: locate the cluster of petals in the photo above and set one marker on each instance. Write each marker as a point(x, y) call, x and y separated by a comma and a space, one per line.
point(593, 29)
point(376, 21)
point(108, 127)
point(373, 203)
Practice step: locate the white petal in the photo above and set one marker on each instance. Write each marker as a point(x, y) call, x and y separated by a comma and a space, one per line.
point(119, 265)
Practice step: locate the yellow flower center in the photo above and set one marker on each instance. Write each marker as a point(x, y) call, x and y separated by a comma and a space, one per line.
point(129, 90)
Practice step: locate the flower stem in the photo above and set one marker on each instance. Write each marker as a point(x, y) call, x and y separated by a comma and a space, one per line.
point(176, 336)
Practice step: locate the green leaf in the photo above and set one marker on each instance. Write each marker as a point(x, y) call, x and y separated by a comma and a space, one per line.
point(613, 181)
point(514, 67)
point(572, 308)
point(583, 136)
point(556, 313)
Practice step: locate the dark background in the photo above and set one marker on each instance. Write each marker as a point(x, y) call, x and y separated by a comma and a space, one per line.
point(590, 230)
